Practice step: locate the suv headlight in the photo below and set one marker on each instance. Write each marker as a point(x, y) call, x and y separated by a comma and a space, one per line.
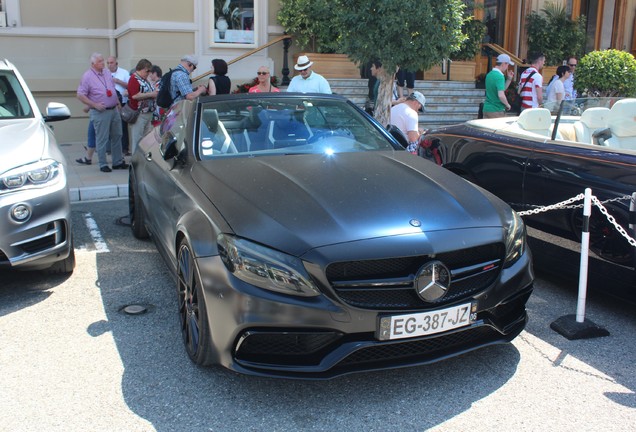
point(32, 175)
point(264, 267)
point(515, 238)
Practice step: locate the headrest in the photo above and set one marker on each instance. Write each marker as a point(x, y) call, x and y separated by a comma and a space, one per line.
point(211, 119)
point(595, 118)
point(535, 119)
point(255, 118)
point(622, 118)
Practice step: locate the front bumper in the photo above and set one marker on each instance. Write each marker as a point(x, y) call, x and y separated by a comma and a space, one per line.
point(258, 332)
point(42, 239)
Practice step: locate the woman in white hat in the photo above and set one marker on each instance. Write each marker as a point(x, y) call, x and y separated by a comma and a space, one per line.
point(307, 81)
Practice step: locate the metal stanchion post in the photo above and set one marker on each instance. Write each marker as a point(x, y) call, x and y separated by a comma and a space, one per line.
point(576, 326)
point(585, 249)
point(632, 220)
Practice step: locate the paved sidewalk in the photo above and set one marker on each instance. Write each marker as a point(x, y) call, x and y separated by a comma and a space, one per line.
point(87, 182)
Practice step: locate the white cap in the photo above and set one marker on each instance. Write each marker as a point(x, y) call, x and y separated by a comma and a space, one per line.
point(504, 58)
point(417, 96)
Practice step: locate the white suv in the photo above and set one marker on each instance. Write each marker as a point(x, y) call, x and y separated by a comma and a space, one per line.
point(35, 209)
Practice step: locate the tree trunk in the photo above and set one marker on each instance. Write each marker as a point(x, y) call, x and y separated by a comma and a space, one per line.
point(385, 95)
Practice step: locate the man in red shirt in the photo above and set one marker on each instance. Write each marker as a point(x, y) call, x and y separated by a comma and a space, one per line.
point(531, 82)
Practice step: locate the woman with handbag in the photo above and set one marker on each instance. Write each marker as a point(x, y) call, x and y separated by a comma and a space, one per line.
point(141, 98)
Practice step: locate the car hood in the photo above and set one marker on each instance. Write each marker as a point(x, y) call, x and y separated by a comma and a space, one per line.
point(21, 141)
point(298, 202)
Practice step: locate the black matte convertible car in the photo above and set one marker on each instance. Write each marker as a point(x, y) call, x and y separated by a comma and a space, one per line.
point(544, 157)
point(306, 243)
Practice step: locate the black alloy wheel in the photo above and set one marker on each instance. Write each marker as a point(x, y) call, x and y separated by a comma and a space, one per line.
point(192, 311)
point(136, 210)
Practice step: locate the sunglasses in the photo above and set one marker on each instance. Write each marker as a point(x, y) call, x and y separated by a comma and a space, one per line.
point(192, 66)
point(572, 65)
point(262, 73)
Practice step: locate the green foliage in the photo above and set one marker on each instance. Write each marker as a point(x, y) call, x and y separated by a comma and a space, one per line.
point(414, 34)
point(606, 73)
point(554, 34)
point(474, 30)
point(313, 24)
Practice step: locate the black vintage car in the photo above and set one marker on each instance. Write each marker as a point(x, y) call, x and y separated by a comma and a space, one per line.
point(547, 156)
point(305, 242)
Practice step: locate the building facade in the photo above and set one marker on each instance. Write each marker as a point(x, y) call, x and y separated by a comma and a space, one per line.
point(51, 41)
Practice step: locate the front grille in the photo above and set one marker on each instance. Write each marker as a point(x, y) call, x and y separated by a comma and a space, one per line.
point(285, 347)
point(422, 350)
point(387, 284)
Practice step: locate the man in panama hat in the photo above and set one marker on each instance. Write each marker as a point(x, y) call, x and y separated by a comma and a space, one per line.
point(307, 81)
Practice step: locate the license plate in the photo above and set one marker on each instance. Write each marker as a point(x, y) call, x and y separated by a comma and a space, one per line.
point(424, 323)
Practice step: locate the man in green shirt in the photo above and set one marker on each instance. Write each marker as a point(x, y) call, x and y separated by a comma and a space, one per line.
point(497, 81)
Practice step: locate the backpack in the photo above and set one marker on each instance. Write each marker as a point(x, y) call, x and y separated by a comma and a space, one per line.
point(515, 101)
point(164, 98)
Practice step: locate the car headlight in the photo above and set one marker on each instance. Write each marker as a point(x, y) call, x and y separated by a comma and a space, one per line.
point(515, 238)
point(32, 175)
point(264, 267)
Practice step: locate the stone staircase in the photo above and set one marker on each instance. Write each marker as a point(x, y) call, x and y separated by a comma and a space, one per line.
point(447, 102)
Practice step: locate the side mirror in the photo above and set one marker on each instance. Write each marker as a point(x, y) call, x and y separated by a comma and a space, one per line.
point(399, 136)
point(168, 147)
point(56, 111)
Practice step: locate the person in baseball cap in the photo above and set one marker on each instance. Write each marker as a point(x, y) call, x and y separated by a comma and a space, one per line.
point(497, 81)
point(419, 97)
point(405, 117)
point(308, 81)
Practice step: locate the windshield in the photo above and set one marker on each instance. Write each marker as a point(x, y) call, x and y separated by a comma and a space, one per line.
point(261, 125)
point(13, 101)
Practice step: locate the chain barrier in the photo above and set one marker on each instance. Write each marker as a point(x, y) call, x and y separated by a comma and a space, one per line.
point(567, 204)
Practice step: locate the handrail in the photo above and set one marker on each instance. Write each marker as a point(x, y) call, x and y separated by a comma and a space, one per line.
point(247, 54)
point(499, 49)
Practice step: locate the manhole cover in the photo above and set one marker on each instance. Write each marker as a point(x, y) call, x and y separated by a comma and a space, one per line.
point(135, 309)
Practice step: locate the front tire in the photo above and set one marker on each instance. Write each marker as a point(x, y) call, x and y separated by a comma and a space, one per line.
point(65, 266)
point(136, 210)
point(193, 317)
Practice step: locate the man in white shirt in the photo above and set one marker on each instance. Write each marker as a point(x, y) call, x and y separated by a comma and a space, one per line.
point(570, 93)
point(404, 116)
point(120, 76)
point(308, 81)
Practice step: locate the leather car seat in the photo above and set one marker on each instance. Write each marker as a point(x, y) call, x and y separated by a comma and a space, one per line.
point(536, 120)
point(591, 120)
point(621, 121)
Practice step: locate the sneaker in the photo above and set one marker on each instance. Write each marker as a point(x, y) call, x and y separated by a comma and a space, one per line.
point(105, 169)
point(83, 161)
point(122, 165)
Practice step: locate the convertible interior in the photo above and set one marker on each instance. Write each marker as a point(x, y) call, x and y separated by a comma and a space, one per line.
point(248, 126)
point(599, 121)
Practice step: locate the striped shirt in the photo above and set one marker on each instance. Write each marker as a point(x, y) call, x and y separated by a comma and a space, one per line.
point(529, 91)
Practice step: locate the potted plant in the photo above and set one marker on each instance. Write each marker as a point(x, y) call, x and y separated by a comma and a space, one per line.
point(314, 26)
point(462, 65)
point(554, 34)
point(608, 73)
point(312, 23)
